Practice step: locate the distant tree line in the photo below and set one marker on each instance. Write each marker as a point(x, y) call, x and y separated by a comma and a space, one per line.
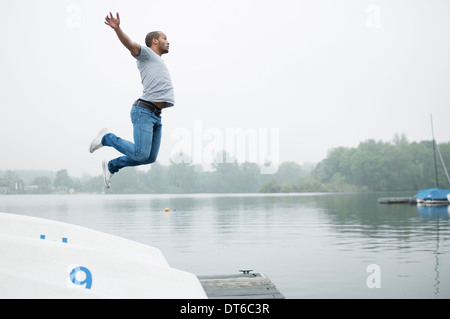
point(392, 166)
point(189, 178)
point(372, 166)
point(173, 178)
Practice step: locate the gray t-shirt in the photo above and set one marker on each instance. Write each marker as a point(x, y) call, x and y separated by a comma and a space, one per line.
point(155, 77)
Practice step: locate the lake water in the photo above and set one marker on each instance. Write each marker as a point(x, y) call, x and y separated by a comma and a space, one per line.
point(309, 245)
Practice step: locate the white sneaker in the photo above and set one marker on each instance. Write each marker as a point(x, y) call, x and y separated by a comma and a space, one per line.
point(97, 141)
point(107, 175)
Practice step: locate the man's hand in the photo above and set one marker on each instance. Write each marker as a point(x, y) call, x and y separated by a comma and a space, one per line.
point(135, 48)
point(113, 22)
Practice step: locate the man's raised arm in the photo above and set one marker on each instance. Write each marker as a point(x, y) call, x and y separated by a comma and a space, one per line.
point(135, 48)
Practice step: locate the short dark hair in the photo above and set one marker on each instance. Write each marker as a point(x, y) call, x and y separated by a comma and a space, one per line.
point(152, 35)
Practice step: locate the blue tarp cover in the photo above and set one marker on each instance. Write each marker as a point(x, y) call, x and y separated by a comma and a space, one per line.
point(432, 194)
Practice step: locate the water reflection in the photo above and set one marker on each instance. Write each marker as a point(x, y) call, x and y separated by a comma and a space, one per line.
point(435, 214)
point(310, 245)
point(434, 211)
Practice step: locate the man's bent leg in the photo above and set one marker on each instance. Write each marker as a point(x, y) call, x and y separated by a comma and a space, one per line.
point(147, 136)
point(124, 161)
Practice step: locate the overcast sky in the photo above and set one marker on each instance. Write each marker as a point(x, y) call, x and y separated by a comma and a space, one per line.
point(312, 74)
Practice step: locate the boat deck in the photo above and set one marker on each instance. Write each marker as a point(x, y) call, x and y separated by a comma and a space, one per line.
point(240, 286)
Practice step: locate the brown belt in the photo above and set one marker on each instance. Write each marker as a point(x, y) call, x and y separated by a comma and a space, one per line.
point(149, 106)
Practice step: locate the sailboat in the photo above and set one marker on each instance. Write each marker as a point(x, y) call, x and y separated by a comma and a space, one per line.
point(434, 196)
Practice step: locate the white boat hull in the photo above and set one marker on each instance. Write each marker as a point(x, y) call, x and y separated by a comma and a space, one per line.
point(47, 259)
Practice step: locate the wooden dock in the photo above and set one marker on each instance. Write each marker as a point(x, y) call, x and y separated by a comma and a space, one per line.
point(397, 200)
point(240, 286)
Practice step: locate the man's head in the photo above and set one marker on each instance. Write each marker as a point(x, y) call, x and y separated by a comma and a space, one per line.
point(157, 41)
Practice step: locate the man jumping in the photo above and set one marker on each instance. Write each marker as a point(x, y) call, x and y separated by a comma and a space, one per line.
point(146, 111)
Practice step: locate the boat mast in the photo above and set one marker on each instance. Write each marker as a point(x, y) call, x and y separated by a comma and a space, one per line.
point(434, 149)
point(442, 161)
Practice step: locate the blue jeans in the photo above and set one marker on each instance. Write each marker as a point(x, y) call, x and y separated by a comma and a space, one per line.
point(147, 129)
